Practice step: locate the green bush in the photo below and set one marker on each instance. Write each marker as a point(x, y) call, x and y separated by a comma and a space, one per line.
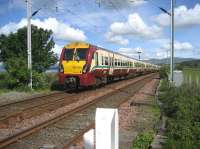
point(163, 71)
point(164, 85)
point(41, 81)
point(143, 140)
point(182, 106)
point(44, 80)
point(3, 80)
point(17, 72)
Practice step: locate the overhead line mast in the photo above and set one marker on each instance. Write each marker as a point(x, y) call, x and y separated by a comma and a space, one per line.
point(29, 15)
point(172, 42)
point(171, 77)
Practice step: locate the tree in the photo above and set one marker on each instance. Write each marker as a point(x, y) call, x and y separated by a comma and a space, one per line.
point(15, 46)
point(13, 53)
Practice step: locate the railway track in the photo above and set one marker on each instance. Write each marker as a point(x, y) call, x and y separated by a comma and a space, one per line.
point(17, 111)
point(36, 97)
point(78, 137)
point(64, 116)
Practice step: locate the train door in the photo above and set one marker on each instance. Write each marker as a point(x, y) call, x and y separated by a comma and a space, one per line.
point(128, 67)
point(95, 61)
point(111, 68)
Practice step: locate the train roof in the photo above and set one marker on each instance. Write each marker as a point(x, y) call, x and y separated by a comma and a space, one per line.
point(85, 44)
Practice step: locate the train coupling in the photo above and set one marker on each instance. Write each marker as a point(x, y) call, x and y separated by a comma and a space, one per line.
point(71, 82)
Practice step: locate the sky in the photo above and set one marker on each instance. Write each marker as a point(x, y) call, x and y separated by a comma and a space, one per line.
point(124, 26)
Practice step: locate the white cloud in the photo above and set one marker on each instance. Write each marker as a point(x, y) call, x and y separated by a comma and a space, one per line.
point(183, 16)
point(57, 49)
point(60, 29)
point(116, 39)
point(180, 47)
point(119, 4)
point(136, 27)
point(137, 2)
point(132, 52)
point(161, 54)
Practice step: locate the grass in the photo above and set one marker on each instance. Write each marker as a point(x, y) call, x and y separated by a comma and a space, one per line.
point(143, 140)
point(43, 84)
point(182, 106)
point(3, 91)
point(155, 110)
point(148, 124)
point(191, 76)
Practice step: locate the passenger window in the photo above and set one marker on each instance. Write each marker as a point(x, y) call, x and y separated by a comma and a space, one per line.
point(102, 60)
point(106, 60)
point(115, 62)
point(118, 62)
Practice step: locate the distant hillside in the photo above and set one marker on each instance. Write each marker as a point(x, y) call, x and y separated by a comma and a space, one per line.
point(167, 61)
point(189, 64)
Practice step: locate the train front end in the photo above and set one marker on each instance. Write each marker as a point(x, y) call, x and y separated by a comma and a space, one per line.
point(74, 67)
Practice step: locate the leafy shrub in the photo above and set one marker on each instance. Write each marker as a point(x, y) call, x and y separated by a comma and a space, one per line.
point(40, 81)
point(182, 106)
point(46, 81)
point(164, 85)
point(3, 80)
point(17, 72)
point(143, 140)
point(163, 71)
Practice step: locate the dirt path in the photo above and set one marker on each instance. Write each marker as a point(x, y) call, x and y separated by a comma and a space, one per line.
point(138, 115)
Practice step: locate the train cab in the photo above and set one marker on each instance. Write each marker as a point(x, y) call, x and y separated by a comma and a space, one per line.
point(74, 65)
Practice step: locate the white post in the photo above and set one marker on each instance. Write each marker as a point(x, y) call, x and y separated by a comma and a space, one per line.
point(178, 78)
point(29, 40)
point(88, 139)
point(107, 128)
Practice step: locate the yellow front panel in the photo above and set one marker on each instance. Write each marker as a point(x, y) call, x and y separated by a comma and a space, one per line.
point(73, 67)
point(77, 45)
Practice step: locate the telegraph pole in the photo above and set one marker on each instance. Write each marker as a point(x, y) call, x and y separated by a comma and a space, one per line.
point(29, 15)
point(172, 43)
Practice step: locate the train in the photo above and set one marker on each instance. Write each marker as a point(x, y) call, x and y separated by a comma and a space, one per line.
point(82, 64)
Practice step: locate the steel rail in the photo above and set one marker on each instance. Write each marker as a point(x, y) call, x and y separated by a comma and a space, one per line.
point(15, 138)
point(92, 126)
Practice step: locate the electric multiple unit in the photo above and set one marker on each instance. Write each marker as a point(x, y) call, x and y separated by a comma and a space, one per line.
point(83, 64)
